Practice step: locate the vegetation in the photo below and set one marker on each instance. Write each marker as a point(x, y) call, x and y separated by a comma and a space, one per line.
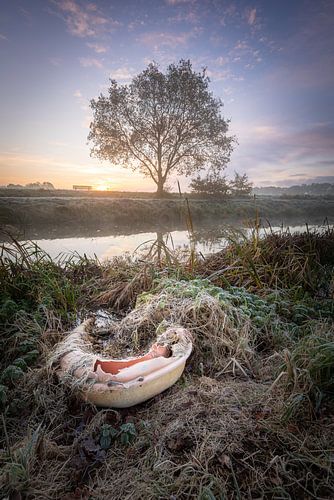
point(217, 186)
point(50, 217)
point(240, 185)
point(251, 416)
point(161, 123)
point(213, 184)
point(33, 185)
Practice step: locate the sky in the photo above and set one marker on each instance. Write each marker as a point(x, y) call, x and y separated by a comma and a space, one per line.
point(270, 61)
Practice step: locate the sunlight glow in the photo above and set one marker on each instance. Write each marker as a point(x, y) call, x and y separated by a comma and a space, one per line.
point(102, 187)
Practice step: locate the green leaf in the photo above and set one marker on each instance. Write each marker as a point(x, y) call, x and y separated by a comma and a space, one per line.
point(11, 373)
point(128, 433)
point(31, 356)
point(108, 433)
point(20, 362)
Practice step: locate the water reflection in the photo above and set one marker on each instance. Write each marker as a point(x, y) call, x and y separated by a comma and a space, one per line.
point(152, 244)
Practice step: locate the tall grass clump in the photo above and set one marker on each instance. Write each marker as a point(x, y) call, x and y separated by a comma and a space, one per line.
point(309, 372)
point(37, 295)
point(278, 260)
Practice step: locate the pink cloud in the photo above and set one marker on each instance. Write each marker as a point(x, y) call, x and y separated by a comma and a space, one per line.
point(177, 2)
point(251, 17)
point(97, 47)
point(90, 62)
point(171, 40)
point(122, 73)
point(189, 17)
point(84, 21)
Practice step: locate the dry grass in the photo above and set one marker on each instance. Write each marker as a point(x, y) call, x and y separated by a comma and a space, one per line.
point(280, 260)
point(219, 331)
point(80, 216)
point(228, 429)
point(204, 438)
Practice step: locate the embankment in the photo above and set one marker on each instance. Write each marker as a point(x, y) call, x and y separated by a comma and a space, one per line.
point(76, 216)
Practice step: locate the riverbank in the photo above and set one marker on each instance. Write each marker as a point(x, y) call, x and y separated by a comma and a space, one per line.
point(250, 418)
point(56, 216)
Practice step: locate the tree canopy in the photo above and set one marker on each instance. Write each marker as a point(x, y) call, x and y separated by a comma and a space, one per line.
point(240, 185)
point(216, 185)
point(161, 123)
point(213, 184)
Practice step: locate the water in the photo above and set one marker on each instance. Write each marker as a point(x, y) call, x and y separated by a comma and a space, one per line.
point(105, 247)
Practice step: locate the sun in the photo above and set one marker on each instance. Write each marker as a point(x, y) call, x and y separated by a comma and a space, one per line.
point(102, 187)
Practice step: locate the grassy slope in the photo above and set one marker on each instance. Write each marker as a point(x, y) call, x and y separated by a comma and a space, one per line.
point(76, 215)
point(250, 418)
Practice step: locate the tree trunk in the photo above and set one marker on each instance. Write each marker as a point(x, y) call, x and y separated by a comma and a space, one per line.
point(161, 180)
point(160, 188)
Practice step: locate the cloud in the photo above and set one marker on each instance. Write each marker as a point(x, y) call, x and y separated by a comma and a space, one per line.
point(189, 17)
point(92, 7)
point(177, 2)
point(26, 14)
point(134, 24)
point(84, 21)
point(81, 100)
point(301, 179)
point(3, 37)
point(268, 151)
point(244, 52)
point(241, 45)
point(55, 61)
point(90, 62)
point(164, 39)
point(308, 56)
point(97, 47)
point(217, 76)
point(229, 12)
point(221, 61)
point(251, 17)
point(10, 159)
point(59, 144)
point(64, 172)
point(86, 121)
point(264, 132)
point(122, 73)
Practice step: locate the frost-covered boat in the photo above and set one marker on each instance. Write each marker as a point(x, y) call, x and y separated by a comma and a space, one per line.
point(121, 383)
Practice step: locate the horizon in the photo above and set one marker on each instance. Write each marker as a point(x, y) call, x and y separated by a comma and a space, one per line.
point(270, 64)
point(110, 190)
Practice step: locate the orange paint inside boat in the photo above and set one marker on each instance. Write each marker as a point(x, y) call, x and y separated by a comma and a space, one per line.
point(114, 366)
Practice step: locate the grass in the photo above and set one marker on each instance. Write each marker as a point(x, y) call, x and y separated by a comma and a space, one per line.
point(251, 416)
point(50, 217)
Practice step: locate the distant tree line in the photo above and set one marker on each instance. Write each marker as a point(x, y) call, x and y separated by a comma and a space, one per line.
point(216, 185)
point(32, 185)
point(315, 189)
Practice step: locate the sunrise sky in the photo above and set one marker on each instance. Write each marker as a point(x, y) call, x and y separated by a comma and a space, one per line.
point(271, 62)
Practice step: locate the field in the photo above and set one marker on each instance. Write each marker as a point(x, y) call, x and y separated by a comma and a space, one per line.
point(81, 215)
point(252, 416)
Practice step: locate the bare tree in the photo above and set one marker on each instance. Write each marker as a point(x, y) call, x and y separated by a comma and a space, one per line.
point(161, 123)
